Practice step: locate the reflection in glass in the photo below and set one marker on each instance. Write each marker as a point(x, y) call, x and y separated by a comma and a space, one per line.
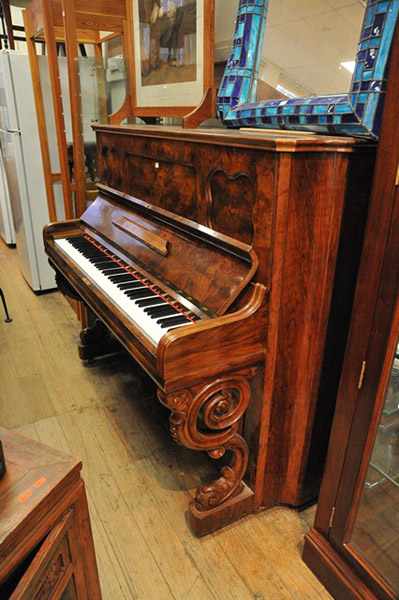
point(376, 531)
point(309, 48)
point(168, 41)
point(105, 84)
point(115, 73)
point(93, 110)
point(69, 593)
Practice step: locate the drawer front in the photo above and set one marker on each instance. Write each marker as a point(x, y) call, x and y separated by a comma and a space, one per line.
point(51, 569)
point(54, 573)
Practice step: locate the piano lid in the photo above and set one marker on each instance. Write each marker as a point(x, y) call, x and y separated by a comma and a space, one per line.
point(206, 267)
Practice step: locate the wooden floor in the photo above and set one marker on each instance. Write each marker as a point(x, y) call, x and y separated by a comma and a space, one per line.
point(138, 481)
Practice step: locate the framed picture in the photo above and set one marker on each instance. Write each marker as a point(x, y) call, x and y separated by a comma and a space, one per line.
point(170, 52)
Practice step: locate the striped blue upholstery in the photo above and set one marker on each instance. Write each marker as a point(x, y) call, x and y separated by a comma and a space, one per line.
point(356, 113)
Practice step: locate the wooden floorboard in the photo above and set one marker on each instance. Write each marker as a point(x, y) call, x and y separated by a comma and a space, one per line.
point(138, 482)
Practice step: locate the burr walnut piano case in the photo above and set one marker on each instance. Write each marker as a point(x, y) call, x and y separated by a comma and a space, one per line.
point(268, 216)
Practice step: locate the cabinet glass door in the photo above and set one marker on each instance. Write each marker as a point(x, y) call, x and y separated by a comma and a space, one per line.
point(375, 534)
point(70, 591)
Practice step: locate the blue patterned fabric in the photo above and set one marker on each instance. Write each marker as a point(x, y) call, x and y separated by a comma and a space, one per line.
point(356, 113)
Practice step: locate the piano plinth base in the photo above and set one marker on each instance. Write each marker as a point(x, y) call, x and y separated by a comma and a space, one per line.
point(205, 522)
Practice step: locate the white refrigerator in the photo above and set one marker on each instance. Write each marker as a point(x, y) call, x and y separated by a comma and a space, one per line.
point(7, 230)
point(21, 157)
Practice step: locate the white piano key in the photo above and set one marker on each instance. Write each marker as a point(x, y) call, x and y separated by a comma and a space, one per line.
point(149, 326)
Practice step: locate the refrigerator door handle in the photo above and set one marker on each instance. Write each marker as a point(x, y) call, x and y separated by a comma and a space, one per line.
point(18, 131)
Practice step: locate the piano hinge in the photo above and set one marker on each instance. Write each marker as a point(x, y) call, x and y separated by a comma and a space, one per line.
point(362, 374)
point(397, 177)
point(332, 515)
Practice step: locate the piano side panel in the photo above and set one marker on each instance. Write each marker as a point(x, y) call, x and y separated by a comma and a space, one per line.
point(328, 199)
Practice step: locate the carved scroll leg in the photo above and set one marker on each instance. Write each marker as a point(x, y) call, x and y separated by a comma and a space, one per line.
point(228, 498)
point(207, 418)
point(230, 482)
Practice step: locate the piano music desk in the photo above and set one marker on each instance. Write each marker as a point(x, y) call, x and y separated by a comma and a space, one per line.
point(238, 236)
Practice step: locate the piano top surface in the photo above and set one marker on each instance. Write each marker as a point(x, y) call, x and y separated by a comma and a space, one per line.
point(278, 141)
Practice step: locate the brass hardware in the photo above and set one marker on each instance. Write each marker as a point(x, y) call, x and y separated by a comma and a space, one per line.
point(157, 165)
point(332, 515)
point(362, 374)
point(397, 177)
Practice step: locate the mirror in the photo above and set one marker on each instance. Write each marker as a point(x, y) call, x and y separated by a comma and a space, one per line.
point(309, 47)
point(303, 56)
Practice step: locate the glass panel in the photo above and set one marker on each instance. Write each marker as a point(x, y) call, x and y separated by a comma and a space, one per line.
point(376, 531)
point(168, 41)
point(93, 110)
point(70, 591)
point(115, 73)
point(309, 47)
point(105, 84)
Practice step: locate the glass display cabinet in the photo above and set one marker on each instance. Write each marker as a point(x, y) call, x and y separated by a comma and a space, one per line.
point(354, 545)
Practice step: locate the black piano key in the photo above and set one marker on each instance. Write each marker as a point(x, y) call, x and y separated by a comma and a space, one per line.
point(75, 242)
point(89, 250)
point(161, 311)
point(98, 258)
point(131, 285)
point(151, 302)
point(166, 323)
point(116, 270)
point(120, 278)
point(101, 260)
point(105, 266)
point(136, 288)
point(137, 294)
point(81, 242)
point(89, 254)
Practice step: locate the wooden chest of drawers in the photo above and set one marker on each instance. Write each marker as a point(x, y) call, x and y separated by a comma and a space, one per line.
point(46, 546)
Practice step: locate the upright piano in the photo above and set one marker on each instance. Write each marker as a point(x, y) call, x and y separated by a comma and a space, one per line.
point(211, 256)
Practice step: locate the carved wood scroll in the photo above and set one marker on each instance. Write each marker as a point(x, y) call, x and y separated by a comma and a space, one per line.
point(206, 417)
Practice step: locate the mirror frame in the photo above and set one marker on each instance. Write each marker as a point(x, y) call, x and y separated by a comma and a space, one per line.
point(356, 112)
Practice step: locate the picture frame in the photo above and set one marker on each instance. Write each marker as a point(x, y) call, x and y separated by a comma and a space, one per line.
point(170, 53)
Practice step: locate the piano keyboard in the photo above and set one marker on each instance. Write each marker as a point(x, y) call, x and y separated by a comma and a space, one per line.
point(149, 307)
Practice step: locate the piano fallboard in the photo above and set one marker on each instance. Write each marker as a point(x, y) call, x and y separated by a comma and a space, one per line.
point(137, 270)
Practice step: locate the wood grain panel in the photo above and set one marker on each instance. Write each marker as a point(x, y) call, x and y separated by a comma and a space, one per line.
point(231, 202)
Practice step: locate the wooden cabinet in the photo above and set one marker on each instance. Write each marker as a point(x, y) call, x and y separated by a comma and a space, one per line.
point(46, 547)
point(354, 545)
